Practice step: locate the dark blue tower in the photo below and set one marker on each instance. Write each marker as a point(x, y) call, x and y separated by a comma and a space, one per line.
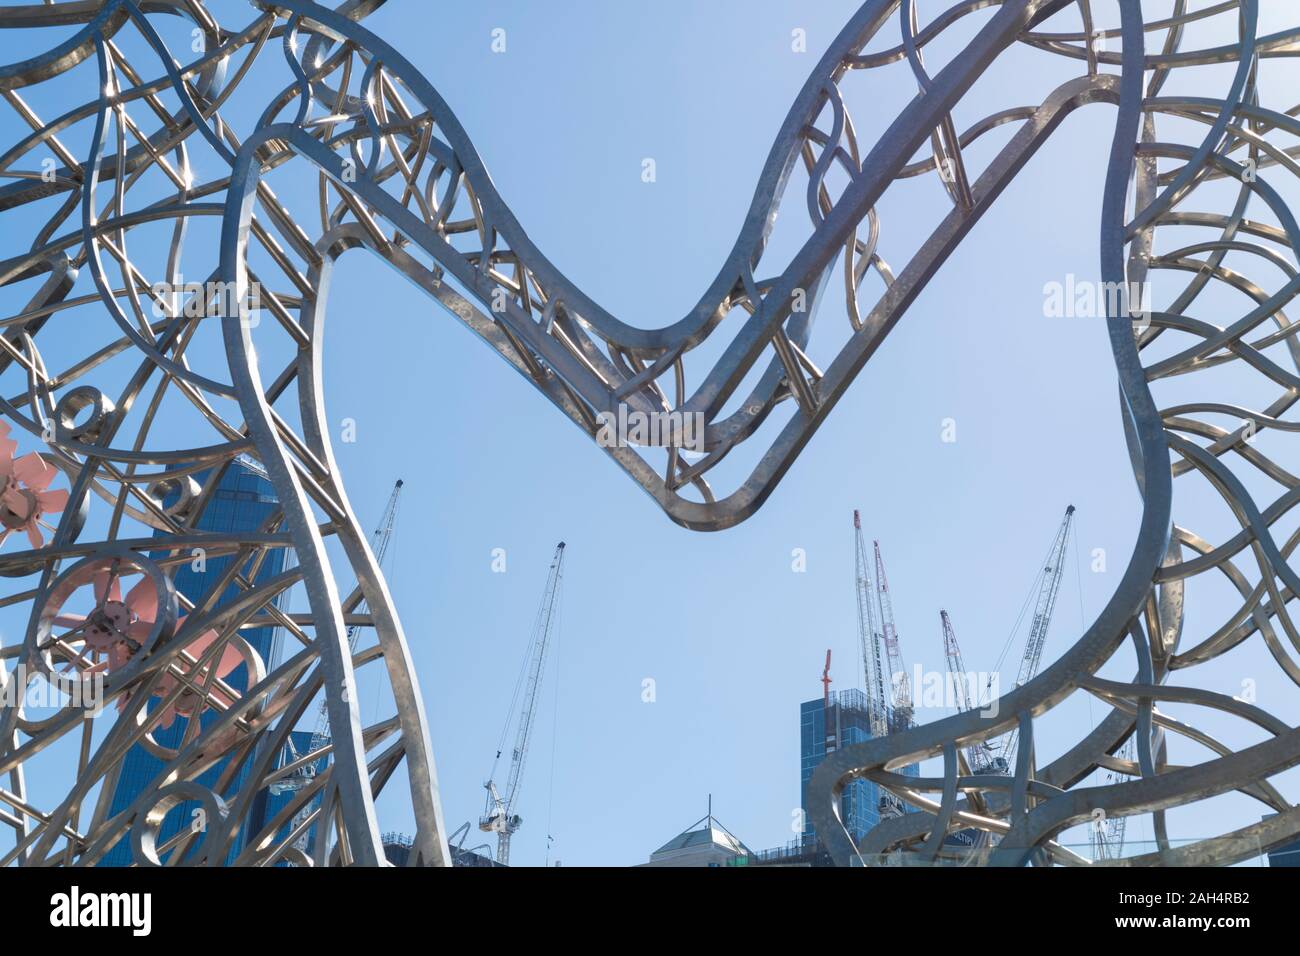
point(243, 501)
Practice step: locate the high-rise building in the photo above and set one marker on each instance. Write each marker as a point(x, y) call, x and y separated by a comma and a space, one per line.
point(398, 848)
point(242, 501)
point(826, 725)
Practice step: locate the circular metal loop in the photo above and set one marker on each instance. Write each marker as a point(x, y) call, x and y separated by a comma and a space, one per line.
point(186, 707)
point(295, 856)
point(175, 496)
point(108, 649)
point(208, 820)
point(72, 405)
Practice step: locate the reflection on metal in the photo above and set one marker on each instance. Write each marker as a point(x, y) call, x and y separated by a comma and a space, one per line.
point(1208, 228)
point(129, 143)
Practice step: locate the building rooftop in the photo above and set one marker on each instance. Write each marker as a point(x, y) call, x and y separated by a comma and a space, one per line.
point(713, 833)
point(705, 842)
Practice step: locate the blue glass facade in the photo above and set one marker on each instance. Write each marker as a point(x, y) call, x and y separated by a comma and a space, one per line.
point(850, 723)
point(243, 501)
point(1288, 855)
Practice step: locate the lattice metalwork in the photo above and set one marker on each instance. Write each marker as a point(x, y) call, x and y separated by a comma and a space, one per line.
point(144, 148)
point(1208, 241)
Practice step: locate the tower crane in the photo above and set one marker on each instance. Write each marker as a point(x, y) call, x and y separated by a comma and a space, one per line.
point(876, 629)
point(979, 757)
point(900, 717)
point(902, 704)
point(1049, 586)
point(826, 679)
point(869, 635)
point(828, 738)
point(499, 814)
point(320, 737)
point(1107, 834)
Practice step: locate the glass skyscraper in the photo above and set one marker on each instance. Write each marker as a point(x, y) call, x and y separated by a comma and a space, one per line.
point(846, 716)
point(242, 501)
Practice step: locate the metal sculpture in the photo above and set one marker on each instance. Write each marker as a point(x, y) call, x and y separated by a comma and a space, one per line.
point(104, 225)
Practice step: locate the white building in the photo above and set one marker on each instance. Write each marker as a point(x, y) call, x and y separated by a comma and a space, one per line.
point(705, 842)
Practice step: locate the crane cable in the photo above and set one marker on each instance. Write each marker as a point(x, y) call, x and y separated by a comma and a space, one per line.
point(1034, 587)
point(555, 720)
point(510, 712)
point(1083, 622)
point(520, 682)
point(390, 548)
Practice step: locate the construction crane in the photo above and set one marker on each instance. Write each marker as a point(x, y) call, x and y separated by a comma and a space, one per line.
point(902, 703)
point(828, 738)
point(826, 680)
point(499, 814)
point(320, 737)
point(900, 711)
point(979, 757)
point(1049, 585)
point(869, 635)
point(1107, 833)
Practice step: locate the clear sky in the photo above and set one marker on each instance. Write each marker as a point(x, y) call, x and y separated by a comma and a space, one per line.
point(733, 638)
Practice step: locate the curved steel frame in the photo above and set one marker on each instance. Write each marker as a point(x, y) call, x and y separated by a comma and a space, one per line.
point(398, 176)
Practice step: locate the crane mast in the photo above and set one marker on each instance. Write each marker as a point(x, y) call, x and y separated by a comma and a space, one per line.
point(956, 668)
point(499, 814)
point(902, 687)
point(869, 635)
point(1053, 568)
point(977, 755)
point(320, 736)
point(828, 737)
point(1107, 834)
point(891, 805)
point(383, 534)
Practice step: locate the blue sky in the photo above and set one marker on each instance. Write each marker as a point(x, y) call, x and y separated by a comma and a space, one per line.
point(733, 638)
